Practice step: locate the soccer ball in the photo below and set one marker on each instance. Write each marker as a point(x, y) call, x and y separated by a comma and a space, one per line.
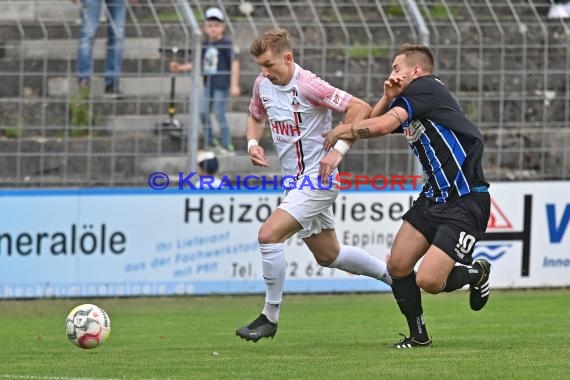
point(88, 326)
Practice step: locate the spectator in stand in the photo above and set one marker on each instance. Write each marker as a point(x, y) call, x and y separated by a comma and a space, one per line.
point(220, 68)
point(116, 11)
point(208, 166)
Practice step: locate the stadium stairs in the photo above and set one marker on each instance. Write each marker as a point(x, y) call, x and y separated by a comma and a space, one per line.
point(507, 64)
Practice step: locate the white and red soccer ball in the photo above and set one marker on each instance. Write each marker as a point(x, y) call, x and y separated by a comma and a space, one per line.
point(88, 326)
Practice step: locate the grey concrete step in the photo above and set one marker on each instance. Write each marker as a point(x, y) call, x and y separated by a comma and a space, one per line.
point(67, 11)
point(33, 114)
point(229, 165)
point(31, 30)
point(63, 67)
point(140, 124)
point(135, 48)
point(45, 10)
point(129, 86)
point(152, 85)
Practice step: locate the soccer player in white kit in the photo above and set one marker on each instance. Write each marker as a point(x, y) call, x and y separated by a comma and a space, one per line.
point(298, 106)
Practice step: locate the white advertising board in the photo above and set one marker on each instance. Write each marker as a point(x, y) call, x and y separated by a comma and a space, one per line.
point(129, 242)
point(528, 235)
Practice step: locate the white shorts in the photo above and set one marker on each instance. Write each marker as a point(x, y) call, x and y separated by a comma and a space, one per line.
point(312, 208)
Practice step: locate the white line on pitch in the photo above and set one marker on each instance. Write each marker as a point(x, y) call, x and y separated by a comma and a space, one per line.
point(32, 377)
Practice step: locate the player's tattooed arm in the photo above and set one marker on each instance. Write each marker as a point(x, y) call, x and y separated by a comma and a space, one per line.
point(365, 129)
point(362, 133)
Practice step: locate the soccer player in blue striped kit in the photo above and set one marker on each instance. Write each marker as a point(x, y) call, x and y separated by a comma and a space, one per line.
point(451, 213)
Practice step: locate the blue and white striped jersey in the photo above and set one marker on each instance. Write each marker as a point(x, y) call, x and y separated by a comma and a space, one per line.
point(448, 145)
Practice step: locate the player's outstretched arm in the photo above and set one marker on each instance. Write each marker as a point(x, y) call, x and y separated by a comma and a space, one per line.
point(254, 133)
point(356, 110)
point(365, 129)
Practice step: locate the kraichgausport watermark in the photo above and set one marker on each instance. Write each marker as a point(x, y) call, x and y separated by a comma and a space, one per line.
point(342, 181)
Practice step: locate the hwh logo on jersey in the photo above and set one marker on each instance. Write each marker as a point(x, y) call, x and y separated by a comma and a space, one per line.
point(283, 128)
point(464, 244)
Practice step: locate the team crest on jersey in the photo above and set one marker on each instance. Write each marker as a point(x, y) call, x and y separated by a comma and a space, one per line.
point(295, 103)
point(414, 131)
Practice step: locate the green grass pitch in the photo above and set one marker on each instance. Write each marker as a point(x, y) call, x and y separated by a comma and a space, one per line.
point(519, 335)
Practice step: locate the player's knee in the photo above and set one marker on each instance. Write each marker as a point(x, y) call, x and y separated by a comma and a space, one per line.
point(324, 261)
point(391, 267)
point(264, 237)
point(395, 269)
point(428, 284)
point(267, 236)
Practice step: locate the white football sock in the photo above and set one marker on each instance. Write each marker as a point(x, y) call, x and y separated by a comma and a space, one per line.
point(274, 266)
point(358, 261)
point(271, 311)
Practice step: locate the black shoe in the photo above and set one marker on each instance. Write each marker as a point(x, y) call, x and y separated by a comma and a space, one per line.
point(411, 342)
point(112, 92)
point(261, 327)
point(480, 291)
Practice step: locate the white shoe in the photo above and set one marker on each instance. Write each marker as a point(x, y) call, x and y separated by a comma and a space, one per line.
point(225, 151)
point(559, 11)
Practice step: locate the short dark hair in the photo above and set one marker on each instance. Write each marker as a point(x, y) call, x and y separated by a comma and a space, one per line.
point(418, 55)
point(277, 40)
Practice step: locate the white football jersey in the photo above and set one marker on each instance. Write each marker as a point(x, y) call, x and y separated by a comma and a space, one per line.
point(298, 113)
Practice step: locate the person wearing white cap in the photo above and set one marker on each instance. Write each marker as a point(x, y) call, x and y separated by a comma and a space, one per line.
point(214, 14)
point(208, 166)
point(220, 68)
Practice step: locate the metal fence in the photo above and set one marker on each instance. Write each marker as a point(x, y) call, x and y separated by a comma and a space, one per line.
point(507, 63)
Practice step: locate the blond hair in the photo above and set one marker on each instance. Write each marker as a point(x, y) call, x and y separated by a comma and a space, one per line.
point(276, 40)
